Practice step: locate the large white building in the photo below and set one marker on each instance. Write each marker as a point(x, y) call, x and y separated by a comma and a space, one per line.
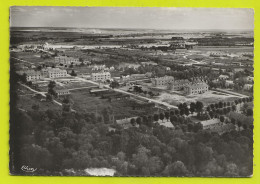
point(101, 76)
point(32, 75)
point(210, 124)
point(196, 88)
point(56, 73)
point(62, 92)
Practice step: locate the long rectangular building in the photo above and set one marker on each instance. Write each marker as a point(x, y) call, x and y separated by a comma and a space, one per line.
point(56, 73)
point(102, 76)
point(197, 88)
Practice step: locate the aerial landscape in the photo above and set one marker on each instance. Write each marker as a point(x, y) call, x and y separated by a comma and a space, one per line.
point(131, 101)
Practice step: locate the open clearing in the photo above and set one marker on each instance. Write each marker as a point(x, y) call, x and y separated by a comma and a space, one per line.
point(32, 57)
point(83, 101)
point(206, 98)
point(25, 102)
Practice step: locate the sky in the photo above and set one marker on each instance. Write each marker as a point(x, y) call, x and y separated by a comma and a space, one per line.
point(132, 17)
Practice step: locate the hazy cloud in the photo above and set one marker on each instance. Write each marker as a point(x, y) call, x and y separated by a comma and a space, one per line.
point(131, 17)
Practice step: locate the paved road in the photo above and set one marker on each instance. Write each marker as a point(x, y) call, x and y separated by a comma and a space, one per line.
point(128, 93)
point(145, 98)
point(232, 93)
point(72, 89)
point(38, 92)
point(23, 60)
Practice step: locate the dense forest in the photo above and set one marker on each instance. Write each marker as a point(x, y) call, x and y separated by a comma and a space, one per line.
point(54, 141)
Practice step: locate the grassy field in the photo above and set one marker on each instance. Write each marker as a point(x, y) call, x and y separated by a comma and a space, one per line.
point(68, 86)
point(81, 69)
point(83, 101)
point(32, 57)
point(197, 57)
point(26, 101)
point(224, 49)
point(206, 98)
point(77, 85)
point(24, 91)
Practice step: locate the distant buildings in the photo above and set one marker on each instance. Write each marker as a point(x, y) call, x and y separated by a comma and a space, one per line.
point(218, 54)
point(98, 67)
point(190, 87)
point(101, 76)
point(29, 47)
point(65, 60)
point(180, 43)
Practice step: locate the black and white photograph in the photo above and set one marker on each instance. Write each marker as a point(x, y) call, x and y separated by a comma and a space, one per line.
point(131, 91)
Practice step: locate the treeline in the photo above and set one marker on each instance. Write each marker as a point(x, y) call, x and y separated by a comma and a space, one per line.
point(177, 71)
point(221, 41)
point(53, 141)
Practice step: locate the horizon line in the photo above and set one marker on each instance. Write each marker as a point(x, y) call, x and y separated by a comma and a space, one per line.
point(128, 28)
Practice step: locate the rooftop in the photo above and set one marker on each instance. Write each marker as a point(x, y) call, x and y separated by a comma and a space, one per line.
point(210, 122)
